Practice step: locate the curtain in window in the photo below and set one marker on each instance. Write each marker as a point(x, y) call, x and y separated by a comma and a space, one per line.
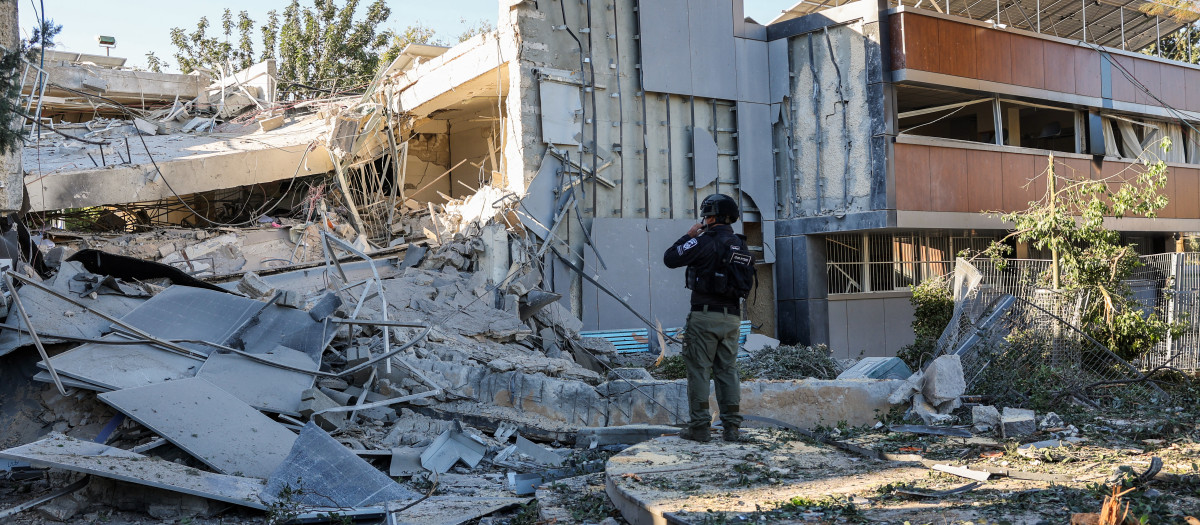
point(1110, 138)
point(1175, 133)
point(1192, 146)
point(1131, 146)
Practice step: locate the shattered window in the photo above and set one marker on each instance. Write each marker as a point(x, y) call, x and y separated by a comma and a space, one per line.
point(884, 262)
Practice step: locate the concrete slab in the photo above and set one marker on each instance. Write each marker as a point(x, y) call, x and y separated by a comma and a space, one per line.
point(453, 510)
point(670, 475)
point(322, 472)
point(65, 178)
point(184, 312)
point(208, 423)
point(260, 385)
point(54, 315)
point(119, 366)
point(58, 451)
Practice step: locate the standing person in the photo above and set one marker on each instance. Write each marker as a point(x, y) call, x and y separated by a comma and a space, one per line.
point(720, 273)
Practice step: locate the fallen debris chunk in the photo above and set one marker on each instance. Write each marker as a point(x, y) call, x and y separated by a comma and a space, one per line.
point(312, 401)
point(208, 423)
point(450, 447)
point(940, 494)
point(1050, 420)
point(60, 451)
point(944, 382)
point(592, 437)
point(965, 472)
point(1017, 422)
point(451, 510)
point(33, 503)
point(537, 453)
point(933, 431)
point(262, 386)
point(406, 461)
point(1034, 450)
point(877, 368)
point(984, 418)
point(253, 286)
point(320, 472)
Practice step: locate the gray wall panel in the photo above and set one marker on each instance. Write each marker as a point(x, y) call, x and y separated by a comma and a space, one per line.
point(562, 110)
point(670, 300)
point(755, 158)
point(752, 71)
point(712, 53)
point(783, 269)
point(665, 46)
point(780, 70)
point(704, 157)
point(627, 274)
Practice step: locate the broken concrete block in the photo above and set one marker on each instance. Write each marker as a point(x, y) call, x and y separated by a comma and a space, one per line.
point(325, 306)
point(291, 299)
point(253, 286)
point(269, 124)
point(944, 380)
point(590, 437)
point(907, 389)
point(147, 128)
point(1050, 420)
point(877, 368)
point(554, 314)
point(63, 507)
point(313, 401)
point(631, 374)
point(984, 418)
point(929, 413)
point(1017, 422)
point(756, 342)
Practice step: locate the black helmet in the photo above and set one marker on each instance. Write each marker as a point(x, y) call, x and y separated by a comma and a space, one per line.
point(721, 206)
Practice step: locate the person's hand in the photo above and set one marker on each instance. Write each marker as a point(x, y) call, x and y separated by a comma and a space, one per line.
point(696, 229)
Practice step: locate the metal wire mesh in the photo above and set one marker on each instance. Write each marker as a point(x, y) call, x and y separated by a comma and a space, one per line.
point(1170, 282)
point(1019, 342)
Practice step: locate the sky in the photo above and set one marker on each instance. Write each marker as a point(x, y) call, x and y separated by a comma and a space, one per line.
point(142, 26)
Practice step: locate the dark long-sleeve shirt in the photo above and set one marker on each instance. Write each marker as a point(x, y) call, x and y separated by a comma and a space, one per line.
point(700, 255)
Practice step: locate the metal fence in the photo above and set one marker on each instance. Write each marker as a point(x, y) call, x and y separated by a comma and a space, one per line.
point(1015, 337)
point(1170, 283)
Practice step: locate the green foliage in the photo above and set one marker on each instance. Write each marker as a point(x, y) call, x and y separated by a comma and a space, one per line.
point(155, 64)
point(933, 306)
point(413, 34)
point(790, 362)
point(319, 48)
point(10, 108)
point(42, 36)
point(1088, 257)
point(673, 367)
point(480, 27)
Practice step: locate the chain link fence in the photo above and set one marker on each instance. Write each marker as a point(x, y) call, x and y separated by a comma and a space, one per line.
point(1020, 344)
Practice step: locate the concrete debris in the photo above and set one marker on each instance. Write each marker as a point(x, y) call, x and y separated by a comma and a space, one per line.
point(1017, 422)
point(453, 446)
point(877, 368)
point(1050, 421)
point(944, 381)
point(320, 472)
point(253, 286)
point(756, 342)
point(984, 418)
point(964, 472)
point(1038, 449)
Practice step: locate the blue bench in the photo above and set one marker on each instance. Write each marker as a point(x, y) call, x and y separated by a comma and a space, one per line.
point(638, 340)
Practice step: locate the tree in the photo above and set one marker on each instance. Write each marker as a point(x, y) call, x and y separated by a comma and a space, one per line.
point(155, 64)
point(319, 48)
point(42, 36)
point(480, 27)
point(1086, 256)
point(413, 34)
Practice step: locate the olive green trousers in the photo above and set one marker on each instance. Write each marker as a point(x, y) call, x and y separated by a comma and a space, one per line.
point(710, 350)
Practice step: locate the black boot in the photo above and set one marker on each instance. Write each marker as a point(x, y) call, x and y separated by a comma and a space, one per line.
point(731, 434)
point(696, 434)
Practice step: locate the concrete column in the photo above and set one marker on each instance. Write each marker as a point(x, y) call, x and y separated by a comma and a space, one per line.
point(803, 309)
point(12, 176)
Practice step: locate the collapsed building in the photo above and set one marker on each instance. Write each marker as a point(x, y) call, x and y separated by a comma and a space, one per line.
point(459, 239)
